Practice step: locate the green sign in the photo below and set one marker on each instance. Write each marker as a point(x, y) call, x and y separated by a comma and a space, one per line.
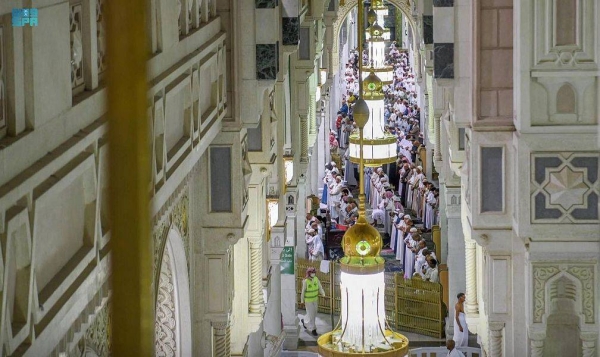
point(287, 261)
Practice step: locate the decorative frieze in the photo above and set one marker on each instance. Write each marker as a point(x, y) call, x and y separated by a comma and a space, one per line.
point(165, 325)
point(76, 24)
point(101, 35)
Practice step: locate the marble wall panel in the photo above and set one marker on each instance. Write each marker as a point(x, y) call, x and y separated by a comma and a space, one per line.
point(290, 30)
point(428, 29)
point(267, 61)
point(443, 60)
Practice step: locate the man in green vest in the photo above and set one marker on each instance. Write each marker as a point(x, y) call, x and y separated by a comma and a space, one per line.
point(311, 289)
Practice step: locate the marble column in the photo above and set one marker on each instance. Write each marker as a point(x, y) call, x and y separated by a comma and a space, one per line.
point(471, 305)
point(454, 249)
point(314, 169)
point(291, 325)
point(438, 138)
point(256, 303)
point(221, 342)
point(495, 340)
point(300, 218)
point(322, 143)
point(272, 318)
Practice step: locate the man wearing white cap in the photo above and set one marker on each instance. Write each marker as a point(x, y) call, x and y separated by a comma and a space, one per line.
point(403, 229)
point(409, 253)
point(316, 251)
point(415, 186)
point(397, 217)
point(335, 195)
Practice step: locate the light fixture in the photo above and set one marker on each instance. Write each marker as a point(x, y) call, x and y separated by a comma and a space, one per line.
point(288, 165)
point(362, 328)
point(379, 146)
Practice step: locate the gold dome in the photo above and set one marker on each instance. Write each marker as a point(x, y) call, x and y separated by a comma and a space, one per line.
point(371, 16)
point(362, 244)
point(376, 33)
point(372, 87)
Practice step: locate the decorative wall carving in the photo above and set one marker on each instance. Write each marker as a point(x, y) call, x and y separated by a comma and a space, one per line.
point(177, 217)
point(75, 23)
point(564, 187)
point(2, 81)
point(97, 339)
point(101, 35)
point(165, 325)
point(565, 41)
point(542, 274)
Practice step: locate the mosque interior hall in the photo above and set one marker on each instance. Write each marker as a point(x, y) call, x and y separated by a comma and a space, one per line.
point(299, 178)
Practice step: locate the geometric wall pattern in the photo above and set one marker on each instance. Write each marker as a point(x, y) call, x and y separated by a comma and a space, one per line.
point(564, 187)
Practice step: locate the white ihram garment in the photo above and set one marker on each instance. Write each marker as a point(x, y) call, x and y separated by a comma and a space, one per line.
point(461, 338)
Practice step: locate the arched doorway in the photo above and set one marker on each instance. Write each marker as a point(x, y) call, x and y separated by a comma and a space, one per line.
point(403, 5)
point(173, 324)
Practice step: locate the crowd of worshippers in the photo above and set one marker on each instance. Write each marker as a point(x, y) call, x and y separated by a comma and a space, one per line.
point(414, 192)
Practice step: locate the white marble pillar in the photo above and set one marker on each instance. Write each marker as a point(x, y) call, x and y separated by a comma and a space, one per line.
point(301, 218)
point(272, 318)
point(438, 138)
point(256, 303)
point(323, 145)
point(453, 249)
point(471, 305)
point(495, 340)
point(314, 169)
point(291, 325)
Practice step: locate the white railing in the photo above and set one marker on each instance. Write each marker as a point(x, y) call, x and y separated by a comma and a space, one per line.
point(443, 351)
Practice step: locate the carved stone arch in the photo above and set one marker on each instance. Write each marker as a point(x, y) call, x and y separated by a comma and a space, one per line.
point(563, 319)
point(173, 322)
point(342, 13)
point(550, 295)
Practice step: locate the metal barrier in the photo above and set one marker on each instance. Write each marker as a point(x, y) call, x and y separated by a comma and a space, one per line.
point(410, 304)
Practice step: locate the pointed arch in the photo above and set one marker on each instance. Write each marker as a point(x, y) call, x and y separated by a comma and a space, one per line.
point(173, 324)
point(344, 10)
point(566, 100)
